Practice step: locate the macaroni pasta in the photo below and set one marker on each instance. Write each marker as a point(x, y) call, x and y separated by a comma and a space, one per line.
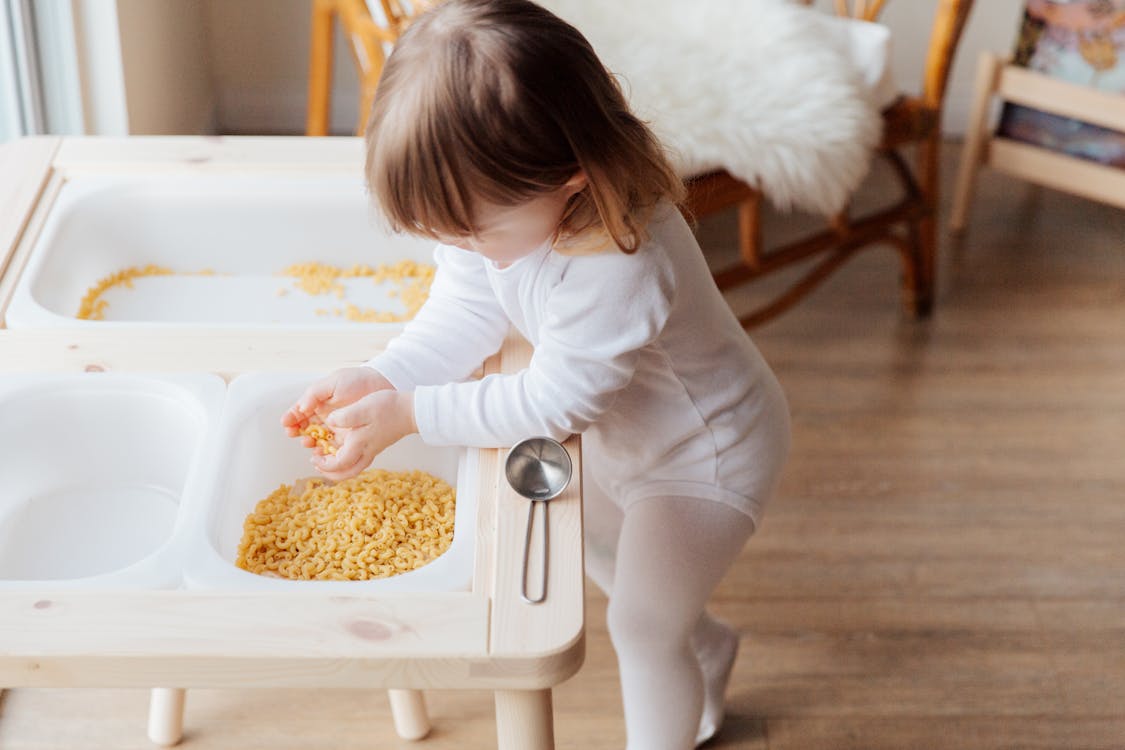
point(376, 525)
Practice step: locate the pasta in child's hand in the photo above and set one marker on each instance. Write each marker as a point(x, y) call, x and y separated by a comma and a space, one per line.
point(325, 438)
point(376, 525)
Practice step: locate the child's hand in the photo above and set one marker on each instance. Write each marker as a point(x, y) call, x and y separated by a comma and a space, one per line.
point(365, 429)
point(341, 388)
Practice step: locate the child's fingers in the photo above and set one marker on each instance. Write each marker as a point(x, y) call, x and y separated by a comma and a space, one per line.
point(339, 476)
point(293, 418)
point(360, 413)
point(343, 458)
point(319, 392)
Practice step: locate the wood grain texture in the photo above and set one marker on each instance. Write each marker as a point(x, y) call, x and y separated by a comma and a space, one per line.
point(1085, 178)
point(192, 639)
point(208, 153)
point(556, 625)
point(1039, 91)
point(25, 168)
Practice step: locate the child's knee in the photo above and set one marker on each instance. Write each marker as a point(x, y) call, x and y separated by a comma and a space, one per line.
point(646, 626)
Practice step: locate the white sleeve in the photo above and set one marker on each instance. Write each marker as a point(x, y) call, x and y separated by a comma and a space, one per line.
point(460, 324)
point(605, 310)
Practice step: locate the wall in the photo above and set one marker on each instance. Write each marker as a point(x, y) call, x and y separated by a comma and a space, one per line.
point(143, 67)
point(259, 59)
point(164, 57)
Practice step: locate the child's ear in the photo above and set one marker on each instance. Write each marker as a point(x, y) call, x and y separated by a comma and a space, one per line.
point(577, 182)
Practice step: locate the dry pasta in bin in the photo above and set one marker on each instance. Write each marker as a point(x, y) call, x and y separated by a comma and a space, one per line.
point(375, 525)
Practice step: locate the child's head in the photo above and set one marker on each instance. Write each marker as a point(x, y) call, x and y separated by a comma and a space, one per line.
point(495, 125)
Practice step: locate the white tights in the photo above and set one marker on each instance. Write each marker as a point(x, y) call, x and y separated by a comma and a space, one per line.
point(658, 562)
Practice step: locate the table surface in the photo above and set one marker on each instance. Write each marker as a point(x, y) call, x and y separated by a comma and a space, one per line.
point(487, 637)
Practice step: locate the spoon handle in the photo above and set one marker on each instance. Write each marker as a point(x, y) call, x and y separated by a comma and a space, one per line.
point(527, 552)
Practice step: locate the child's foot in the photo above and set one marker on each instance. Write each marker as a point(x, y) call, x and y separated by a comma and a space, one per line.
point(716, 647)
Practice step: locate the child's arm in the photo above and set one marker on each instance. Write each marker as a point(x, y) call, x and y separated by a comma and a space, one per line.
point(606, 310)
point(460, 325)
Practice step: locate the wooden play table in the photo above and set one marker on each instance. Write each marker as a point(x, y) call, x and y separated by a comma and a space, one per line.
point(486, 638)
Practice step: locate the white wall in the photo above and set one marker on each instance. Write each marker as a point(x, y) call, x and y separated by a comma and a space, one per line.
point(259, 59)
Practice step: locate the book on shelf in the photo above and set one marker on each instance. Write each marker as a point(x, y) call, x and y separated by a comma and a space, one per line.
point(1081, 42)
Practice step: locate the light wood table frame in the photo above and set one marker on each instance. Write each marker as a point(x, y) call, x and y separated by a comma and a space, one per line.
point(999, 80)
point(486, 638)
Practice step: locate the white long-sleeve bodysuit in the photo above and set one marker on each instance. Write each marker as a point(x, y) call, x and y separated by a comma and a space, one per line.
point(638, 352)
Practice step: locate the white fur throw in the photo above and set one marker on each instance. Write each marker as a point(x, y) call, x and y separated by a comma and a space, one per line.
point(758, 87)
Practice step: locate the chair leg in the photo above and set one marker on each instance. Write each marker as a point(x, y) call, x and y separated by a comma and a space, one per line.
point(919, 285)
point(320, 68)
point(166, 716)
point(749, 230)
point(408, 707)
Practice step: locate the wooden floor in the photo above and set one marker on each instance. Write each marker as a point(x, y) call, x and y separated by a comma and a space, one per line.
point(944, 566)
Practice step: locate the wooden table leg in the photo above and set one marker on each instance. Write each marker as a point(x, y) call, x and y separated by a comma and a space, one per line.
point(166, 716)
point(524, 720)
point(408, 708)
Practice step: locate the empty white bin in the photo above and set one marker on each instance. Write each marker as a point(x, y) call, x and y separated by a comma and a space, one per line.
point(100, 471)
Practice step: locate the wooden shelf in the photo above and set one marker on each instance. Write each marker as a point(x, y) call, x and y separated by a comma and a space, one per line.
point(1017, 85)
point(1070, 174)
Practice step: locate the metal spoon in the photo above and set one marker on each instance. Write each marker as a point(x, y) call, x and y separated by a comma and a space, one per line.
point(538, 468)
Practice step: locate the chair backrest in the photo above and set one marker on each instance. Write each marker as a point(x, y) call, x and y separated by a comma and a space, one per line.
point(392, 16)
point(861, 9)
point(395, 15)
point(945, 34)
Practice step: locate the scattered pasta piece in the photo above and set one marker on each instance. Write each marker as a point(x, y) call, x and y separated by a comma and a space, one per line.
point(376, 525)
point(93, 307)
point(412, 282)
point(412, 279)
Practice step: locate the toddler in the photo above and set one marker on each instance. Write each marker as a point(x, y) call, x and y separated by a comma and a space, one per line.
point(497, 132)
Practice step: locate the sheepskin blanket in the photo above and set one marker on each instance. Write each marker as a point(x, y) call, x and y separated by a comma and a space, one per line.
point(753, 86)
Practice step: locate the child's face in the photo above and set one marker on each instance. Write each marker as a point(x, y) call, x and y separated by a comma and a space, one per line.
point(508, 233)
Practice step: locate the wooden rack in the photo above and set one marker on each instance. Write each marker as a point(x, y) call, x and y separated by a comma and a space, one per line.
point(1010, 83)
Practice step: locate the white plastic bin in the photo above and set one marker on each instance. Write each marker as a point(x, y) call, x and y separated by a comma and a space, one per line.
point(252, 456)
point(100, 472)
point(244, 228)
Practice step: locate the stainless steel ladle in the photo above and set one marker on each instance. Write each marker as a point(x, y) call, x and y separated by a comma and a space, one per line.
point(538, 468)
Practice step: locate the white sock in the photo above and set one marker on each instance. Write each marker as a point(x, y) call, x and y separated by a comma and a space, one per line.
point(715, 645)
point(671, 554)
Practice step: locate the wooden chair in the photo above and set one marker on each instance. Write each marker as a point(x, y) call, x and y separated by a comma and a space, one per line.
point(909, 226)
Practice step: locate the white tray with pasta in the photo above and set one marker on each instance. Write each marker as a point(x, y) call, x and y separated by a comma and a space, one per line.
point(397, 527)
point(161, 475)
point(277, 251)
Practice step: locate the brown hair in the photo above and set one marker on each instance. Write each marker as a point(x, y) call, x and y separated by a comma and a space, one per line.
point(501, 101)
